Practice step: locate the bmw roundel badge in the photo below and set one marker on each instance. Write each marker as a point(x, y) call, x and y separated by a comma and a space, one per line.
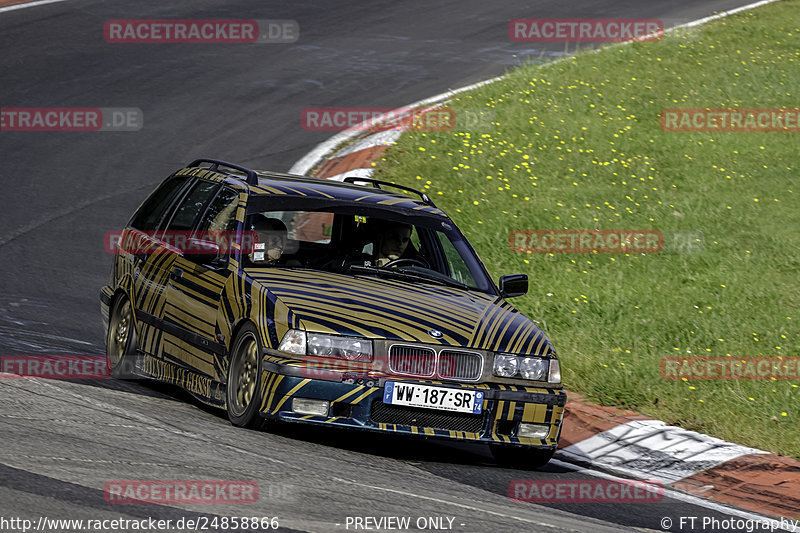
point(435, 333)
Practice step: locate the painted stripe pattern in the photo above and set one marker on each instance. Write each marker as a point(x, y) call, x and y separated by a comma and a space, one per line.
point(390, 309)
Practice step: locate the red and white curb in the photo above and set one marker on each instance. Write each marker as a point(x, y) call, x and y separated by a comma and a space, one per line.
point(630, 445)
point(606, 439)
point(326, 160)
point(654, 449)
point(356, 159)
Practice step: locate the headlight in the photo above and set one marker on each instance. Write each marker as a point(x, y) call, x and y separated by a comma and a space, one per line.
point(506, 366)
point(531, 368)
point(352, 348)
point(302, 343)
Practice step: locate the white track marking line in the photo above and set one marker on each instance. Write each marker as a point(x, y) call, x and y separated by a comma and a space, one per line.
point(305, 164)
point(29, 4)
point(675, 495)
point(726, 13)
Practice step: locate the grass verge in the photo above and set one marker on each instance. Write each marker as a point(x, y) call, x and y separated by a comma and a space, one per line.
point(578, 144)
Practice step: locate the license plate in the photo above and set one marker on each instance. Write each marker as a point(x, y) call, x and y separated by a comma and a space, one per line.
point(428, 397)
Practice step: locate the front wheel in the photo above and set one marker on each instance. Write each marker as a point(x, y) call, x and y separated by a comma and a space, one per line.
point(121, 338)
point(522, 457)
point(244, 379)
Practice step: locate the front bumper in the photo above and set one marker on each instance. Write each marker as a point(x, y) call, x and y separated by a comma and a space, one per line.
point(357, 402)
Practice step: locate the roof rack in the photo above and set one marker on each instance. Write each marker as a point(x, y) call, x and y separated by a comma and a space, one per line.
point(377, 183)
point(252, 177)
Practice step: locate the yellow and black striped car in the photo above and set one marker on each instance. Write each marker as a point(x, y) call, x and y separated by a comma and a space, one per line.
point(281, 297)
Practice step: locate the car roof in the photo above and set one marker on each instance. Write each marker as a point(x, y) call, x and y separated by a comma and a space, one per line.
point(271, 183)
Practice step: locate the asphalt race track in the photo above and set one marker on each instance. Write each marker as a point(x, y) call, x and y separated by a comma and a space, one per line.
point(63, 441)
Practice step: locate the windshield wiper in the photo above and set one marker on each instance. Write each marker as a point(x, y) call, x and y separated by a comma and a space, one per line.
point(404, 274)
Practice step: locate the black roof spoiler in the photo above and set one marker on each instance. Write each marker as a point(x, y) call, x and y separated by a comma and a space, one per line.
point(251, 176)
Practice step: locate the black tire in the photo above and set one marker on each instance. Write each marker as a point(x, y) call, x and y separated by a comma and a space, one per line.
point(521, 457)
point(121, 338)
point(243, 394)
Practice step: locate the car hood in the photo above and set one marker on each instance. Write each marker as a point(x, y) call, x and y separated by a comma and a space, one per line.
point(381, 308)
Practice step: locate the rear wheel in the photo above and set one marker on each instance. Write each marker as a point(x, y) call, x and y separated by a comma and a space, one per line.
point(522, 457)
point(244, 379)
point(121, 338)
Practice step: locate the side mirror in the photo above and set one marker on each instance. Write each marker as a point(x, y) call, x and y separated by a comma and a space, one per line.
point(513, 285)
point(201, 251)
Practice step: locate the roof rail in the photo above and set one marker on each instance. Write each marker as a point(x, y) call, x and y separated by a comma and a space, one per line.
point(252, 177)
point(377, 183)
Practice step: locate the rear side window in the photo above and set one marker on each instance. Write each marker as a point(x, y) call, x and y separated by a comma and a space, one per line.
point(152, 210)
point(193, 205)
point(221, 214)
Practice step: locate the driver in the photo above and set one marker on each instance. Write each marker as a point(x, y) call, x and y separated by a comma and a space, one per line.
point(391, 242)
point(271, 235)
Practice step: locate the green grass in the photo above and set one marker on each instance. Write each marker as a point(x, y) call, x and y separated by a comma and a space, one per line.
point(578, 144)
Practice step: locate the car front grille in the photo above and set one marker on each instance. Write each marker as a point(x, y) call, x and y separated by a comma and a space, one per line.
point(428, 418)
point(412, 360)
point(460, 365)
point(425, 362)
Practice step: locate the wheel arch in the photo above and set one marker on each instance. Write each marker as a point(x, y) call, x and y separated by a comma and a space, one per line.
point(125, 288)
point(235, 329)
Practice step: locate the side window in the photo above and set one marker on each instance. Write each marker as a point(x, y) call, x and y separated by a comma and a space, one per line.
point(221, 214)
point(193, 205)
point(220, 221)
point(308, 226)
point(459, 270)
point(152, 210)
point(415, 240)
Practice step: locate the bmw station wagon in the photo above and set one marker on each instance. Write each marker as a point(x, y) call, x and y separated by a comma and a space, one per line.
point(333, 303)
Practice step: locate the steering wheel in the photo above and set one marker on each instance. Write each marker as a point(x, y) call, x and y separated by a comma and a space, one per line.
point(406, 260)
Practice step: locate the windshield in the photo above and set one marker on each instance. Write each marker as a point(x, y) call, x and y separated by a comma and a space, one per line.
point(360, 241)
